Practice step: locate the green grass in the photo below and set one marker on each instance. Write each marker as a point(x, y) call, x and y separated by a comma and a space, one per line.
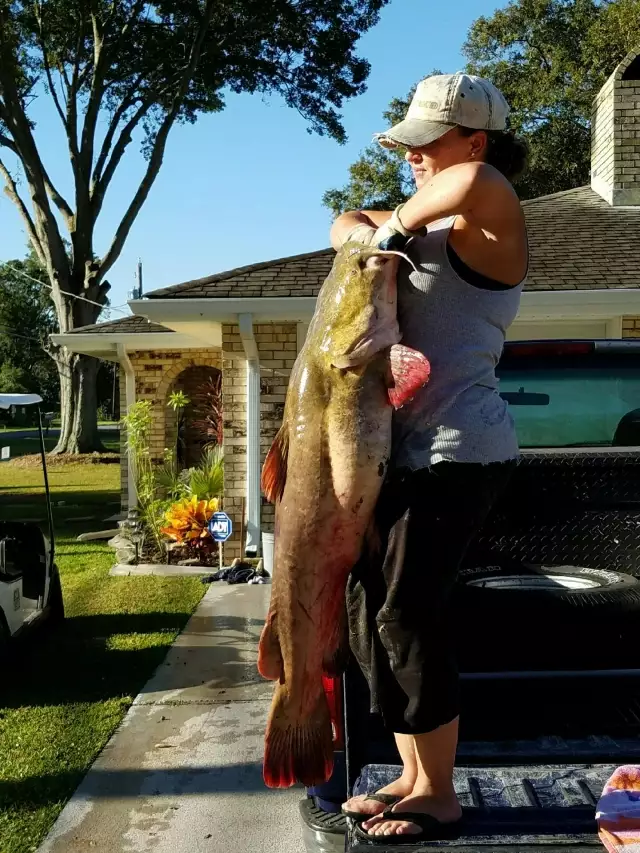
point(69, 691)
point(31, 444)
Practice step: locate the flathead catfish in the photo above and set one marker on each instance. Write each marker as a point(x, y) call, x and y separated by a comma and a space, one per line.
point(324, 472)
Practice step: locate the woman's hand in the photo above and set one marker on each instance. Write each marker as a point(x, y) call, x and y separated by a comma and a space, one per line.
point(366, 221)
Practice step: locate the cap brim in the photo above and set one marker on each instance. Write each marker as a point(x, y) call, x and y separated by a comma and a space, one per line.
point(413, 133)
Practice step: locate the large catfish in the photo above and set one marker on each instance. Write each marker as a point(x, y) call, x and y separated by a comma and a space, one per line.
point(324, 473)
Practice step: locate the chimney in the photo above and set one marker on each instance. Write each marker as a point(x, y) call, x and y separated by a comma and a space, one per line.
point(615, 136)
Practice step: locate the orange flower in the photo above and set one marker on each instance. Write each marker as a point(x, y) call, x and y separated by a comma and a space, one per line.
point(189, 519)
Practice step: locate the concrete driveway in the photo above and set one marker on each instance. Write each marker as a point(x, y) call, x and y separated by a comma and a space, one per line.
point(183, 773)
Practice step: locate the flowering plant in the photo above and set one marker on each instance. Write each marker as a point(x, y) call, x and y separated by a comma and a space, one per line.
point(187, 521)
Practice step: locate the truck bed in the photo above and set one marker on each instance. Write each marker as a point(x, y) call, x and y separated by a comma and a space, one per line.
point(537, 808)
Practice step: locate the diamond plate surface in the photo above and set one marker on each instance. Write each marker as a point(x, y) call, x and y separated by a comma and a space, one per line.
point(579, 509)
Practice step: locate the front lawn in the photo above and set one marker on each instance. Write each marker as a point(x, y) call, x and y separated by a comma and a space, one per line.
point(69, 691)
point(31, 444)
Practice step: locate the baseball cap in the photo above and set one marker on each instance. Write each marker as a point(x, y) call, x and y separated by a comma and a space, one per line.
point(444, 101)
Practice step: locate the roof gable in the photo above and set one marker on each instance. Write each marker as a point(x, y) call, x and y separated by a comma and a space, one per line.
point(126, 325)
point(576, 241)
point(297, 275)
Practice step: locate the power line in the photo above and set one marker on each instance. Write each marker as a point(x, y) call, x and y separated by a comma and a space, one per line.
point(11, 333)
point(67, 293)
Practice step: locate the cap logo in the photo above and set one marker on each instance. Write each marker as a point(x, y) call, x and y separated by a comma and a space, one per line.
point(428, 105)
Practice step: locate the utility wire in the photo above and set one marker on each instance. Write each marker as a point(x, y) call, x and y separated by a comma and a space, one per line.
point(67, 293)
point(11, 333)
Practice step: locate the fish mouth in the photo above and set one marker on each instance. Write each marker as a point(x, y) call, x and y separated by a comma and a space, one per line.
point(368, 345)
point(383, 253)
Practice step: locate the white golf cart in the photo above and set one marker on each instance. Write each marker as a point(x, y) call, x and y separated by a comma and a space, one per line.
point(30, 590)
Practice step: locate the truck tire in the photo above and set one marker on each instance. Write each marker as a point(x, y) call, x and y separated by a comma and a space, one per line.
point(523, 616)
point(525, 587)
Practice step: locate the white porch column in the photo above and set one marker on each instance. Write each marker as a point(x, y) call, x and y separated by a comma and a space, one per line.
point(130, 396)
point(252, 545)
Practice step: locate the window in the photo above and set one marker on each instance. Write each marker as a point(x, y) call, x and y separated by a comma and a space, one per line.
point(573, 406)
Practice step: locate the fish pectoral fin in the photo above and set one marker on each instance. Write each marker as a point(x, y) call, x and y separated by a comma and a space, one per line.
point(274, 470)
point(270, 663)
point(410, 371)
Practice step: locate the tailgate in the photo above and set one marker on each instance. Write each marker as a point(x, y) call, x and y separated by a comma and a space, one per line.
point(535, 808)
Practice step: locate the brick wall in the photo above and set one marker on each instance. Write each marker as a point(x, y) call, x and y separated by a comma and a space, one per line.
point(277, 349)
point(615, 139)
point(631, 327)
point(156, 372)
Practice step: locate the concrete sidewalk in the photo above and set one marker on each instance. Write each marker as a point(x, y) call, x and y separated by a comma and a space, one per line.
point(183, 772)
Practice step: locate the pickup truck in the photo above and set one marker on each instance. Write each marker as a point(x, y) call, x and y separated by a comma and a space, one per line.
point(548, 627)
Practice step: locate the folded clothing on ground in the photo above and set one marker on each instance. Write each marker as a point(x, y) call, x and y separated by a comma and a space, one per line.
point(618, 811)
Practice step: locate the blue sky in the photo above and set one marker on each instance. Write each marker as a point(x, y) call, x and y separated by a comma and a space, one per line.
point(246, 185)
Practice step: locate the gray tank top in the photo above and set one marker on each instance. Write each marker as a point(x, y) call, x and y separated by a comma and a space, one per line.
point(459, 416)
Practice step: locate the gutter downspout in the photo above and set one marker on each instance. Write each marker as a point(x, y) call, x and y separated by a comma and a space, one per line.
point(252, 545)
point(130, 394)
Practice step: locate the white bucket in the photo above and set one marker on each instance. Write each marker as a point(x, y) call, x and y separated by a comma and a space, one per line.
point(267, 552)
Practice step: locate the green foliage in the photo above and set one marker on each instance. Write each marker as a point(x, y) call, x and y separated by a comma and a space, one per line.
point(380, 179)
point(159, 486)
point(550, 58)
point(178, 400)
point(26, 320)
point(137, 423)
point(170, 480)
point(207, 480)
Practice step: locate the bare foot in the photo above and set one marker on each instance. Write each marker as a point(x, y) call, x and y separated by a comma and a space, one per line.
point(402, 787)
point(445, 809)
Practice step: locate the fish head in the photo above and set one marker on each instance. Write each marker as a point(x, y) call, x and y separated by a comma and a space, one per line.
point(358, 306)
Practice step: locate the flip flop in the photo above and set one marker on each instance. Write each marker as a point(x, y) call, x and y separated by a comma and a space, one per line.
point(431, 829)
point(388, 800)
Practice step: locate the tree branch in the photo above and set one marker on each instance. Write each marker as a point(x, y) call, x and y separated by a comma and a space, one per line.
point(11, 191)
point(47, 67)
point(100, 188)
point(55, 196)
point(5, 142)
point(72, 100)
point(157, 154)
point(96, 94)
point(45, 226)
point(535, 47)
point(59, 200)
point(125, 105)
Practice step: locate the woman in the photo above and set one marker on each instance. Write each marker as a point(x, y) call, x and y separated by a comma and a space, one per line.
point(454, 445)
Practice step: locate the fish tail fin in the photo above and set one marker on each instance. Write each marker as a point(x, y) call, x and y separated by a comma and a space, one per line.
point(298, 749)
point(270, 663)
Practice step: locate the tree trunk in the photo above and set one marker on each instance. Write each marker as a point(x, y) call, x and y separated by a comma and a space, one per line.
point(78, 404)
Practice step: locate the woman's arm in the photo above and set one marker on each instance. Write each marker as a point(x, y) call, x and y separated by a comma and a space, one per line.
point(346, 222)
point(475, 191)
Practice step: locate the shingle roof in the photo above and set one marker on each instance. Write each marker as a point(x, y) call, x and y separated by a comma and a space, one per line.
point(127, 325)
point(578, 241)
point(298, 275)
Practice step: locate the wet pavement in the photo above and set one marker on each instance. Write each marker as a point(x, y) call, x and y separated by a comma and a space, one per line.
point(183, 772)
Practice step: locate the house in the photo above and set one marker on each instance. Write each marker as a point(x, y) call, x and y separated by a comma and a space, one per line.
point(248, 324)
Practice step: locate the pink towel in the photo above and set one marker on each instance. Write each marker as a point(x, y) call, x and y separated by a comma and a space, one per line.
point(618, 811)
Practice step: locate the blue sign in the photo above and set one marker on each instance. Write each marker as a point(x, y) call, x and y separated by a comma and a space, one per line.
point(220, 526)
